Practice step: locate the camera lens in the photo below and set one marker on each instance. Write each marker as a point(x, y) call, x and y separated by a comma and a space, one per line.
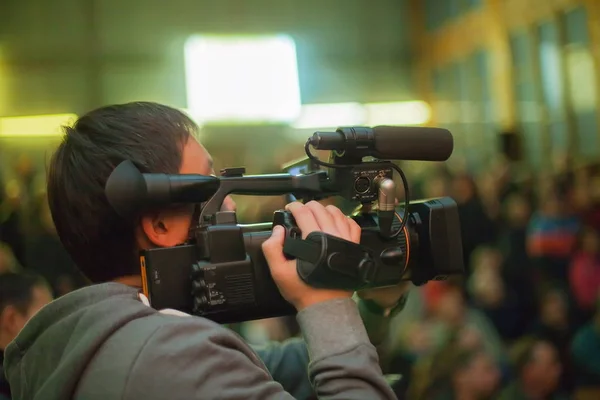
point(362, 184)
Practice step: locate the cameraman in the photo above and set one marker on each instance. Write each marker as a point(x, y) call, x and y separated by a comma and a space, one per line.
point(104, 342)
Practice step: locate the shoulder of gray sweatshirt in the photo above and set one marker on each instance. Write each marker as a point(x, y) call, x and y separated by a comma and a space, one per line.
point(102, 342)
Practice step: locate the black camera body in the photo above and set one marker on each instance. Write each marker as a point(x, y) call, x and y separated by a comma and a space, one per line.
point(221, 273)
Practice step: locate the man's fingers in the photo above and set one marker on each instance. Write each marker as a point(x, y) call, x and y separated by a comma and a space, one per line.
point(273, 246)
point(340, 221)
point(315, 217)
point(304, 218)
point(228, 204)
point(355, 230)
point(325, 220)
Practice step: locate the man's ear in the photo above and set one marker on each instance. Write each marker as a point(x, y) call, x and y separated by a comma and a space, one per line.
point(163, 229)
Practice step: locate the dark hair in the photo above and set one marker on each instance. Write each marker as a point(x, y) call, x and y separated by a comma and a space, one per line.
point(150, 135)
point(522, 352)
point(16, 289)
point(548, 289)
point(437, 378)
point(585, 229)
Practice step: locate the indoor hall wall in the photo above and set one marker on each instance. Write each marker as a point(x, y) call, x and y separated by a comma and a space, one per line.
point(526, 66)
point(69, 56)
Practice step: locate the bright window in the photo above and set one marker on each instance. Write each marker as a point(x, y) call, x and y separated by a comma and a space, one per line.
point(242, 79)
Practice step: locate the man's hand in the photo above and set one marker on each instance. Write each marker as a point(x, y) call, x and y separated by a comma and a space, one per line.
point(310, 217)
point(386, 297)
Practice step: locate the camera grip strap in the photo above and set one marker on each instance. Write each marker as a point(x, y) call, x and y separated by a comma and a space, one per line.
point(326, 261)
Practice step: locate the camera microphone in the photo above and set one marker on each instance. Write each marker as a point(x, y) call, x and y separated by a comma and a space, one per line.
point(389, 142)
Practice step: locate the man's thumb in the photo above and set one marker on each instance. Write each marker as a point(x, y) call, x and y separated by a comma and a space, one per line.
point(273, 246)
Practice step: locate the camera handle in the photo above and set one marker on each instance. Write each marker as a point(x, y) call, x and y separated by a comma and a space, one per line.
point(326, 261)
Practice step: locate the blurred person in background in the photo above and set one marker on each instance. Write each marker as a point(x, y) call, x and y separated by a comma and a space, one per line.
point(435, 313)
point(488, 189)
point(585, 351)
point(25, 173)
point(551, 237)
point(537, 371)
point(490, 293)
point(456, 372)
point(436, 186)
point(517, 269)
point(476, 226)
point(22, 294)
point(584, 270)
point(411, 338)
point(503, 174)
point(579, 193)
point(513, 237)
point(112, 344)
point(10, 220)
point(554, 324)
point(592, 213)
point(454, 316)
point(44, 244)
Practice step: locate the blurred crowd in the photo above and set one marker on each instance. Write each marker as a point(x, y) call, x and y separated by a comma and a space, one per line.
point(522, 323)
point(27, 236)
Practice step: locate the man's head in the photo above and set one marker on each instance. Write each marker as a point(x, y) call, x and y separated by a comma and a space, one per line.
point(538, 365)
point(157, 139)
point(554, 307)
point(475, 374)
point(452, 307)
point(21, 296)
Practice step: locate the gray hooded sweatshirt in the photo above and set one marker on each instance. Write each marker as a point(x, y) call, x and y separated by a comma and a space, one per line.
point(102, 342)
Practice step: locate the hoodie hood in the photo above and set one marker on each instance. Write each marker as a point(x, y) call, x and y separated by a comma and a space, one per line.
point(48, 358)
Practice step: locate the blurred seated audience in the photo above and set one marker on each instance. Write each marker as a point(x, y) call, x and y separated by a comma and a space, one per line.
point(492, 295)
point(45, 245)
point(555, 324)
point(433, 315)
point(551, 237)
point(584, 270)
point(476, 226)
point(456, 372)
point(453, 314)
point(22, 294)
point(537, 370)
point(10, 220)
point(517, 269)
point(585, 351)
point(513, 237)
point(586, 196)
point(489, 187)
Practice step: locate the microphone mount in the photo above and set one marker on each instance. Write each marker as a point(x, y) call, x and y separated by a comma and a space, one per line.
point(386, 204)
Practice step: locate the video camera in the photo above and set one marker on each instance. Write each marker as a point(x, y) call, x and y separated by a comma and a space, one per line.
point(221, 273)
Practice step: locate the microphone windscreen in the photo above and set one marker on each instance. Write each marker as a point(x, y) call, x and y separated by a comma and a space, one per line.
point(413, 143)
